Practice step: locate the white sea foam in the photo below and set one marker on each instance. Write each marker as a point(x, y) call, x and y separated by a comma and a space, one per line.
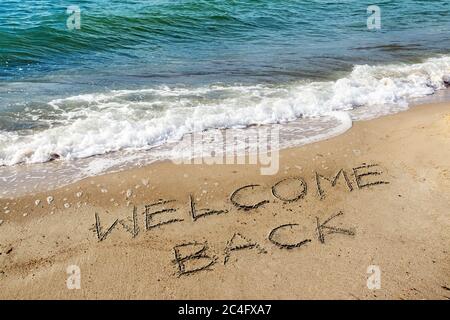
point(94, 124)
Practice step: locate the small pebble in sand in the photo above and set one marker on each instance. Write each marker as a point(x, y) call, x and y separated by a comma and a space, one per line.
point(111, 200)
point(129, 193)
point(49, 199)
point(128, 203)
point(104, 190)
point(137, 186)
point(7, 211)
point(66, 205)
point(1, 222)
point(37, 202)
point(25, 214)
point(145, 182)
point(79, 194)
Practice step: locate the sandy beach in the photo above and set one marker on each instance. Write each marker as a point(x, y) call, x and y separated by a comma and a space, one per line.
point(376, 196)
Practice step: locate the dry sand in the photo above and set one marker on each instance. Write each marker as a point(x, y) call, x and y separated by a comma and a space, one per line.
point(274, 251)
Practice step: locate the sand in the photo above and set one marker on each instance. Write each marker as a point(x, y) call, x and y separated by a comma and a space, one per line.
point(145, 233)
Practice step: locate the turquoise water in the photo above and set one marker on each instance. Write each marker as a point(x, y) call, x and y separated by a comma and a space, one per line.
point(135, 42)
point(141, 73)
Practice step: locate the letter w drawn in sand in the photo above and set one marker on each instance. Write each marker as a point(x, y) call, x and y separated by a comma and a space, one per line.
point(134, 229)
point(98, 228)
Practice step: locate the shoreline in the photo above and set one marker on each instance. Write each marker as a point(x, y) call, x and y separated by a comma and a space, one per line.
point(30, 175)
point(84, 137)
point(394, 171)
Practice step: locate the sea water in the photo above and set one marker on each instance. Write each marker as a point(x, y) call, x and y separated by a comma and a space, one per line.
point(135, 77)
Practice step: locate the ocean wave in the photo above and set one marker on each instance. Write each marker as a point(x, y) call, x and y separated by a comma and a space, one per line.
point(100, 123)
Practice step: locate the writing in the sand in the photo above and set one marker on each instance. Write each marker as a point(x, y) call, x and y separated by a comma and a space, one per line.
point(192, 257)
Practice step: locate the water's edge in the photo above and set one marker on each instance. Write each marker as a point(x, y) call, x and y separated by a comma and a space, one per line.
point(23, 179)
